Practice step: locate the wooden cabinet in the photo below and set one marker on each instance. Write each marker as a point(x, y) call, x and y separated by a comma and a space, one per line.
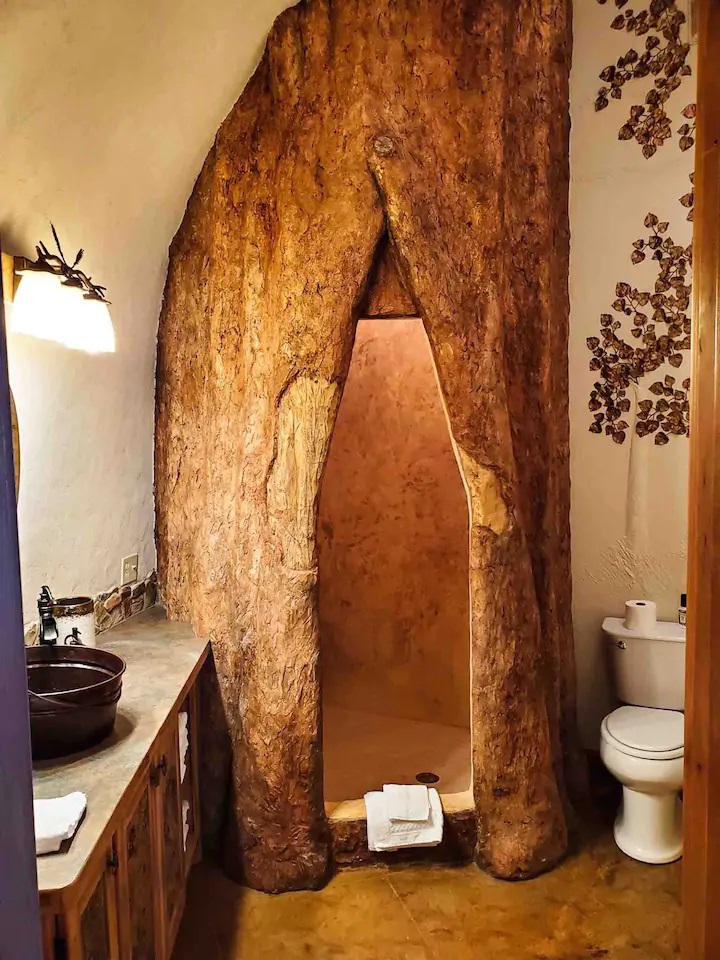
point(98, 919)
point(189, 785)
point(128, 903)
point(136, 881)
point(89, 930)
point(170, 884)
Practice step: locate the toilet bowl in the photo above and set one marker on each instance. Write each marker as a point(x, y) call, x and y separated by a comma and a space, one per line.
point(643, 748)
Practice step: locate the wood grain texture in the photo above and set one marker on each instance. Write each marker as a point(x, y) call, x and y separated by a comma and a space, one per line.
point(138, 851)
point(350, 845)
point(386, 295)
point(94, 928)
point(88, 911)
point(441, 128)
point(49, 923)
point(701, 785)
point(172, 856)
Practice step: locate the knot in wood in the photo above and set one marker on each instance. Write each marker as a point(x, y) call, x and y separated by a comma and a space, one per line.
point(383, 146)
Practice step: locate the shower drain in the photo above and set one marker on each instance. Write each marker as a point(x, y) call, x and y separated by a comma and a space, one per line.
point(427, 777)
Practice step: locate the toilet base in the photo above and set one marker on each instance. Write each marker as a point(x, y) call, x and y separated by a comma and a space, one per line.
point(648, 826)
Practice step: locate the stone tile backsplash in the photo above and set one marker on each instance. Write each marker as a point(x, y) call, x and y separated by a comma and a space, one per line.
point(113, 606)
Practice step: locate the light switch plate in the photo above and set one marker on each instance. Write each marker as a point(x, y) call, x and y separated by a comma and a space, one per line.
point(129, 569)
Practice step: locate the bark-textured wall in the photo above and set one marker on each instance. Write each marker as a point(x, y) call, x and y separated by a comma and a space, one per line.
point(443, 125)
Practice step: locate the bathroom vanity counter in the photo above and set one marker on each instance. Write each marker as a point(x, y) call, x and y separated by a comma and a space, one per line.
point(136, 798)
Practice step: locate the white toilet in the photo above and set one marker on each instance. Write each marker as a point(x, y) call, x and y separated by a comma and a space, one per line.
point(642, 744)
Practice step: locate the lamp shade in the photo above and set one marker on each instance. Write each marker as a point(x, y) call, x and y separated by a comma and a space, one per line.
point(46, 308)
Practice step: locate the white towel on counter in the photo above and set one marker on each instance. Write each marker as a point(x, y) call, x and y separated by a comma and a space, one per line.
point(406, 801)
point(385, 834)
point(57, 820)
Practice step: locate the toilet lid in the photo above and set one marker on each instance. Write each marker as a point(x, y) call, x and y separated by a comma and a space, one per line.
point(647, 729)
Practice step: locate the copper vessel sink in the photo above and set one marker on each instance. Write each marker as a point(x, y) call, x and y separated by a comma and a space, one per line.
point(73, 693)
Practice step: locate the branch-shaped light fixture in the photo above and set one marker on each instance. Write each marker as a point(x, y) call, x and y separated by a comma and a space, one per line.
point(57, 301)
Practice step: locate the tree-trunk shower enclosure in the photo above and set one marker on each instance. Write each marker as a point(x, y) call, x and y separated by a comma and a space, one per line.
point(441, 127)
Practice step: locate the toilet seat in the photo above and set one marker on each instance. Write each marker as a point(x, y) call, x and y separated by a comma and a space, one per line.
point(645, 732)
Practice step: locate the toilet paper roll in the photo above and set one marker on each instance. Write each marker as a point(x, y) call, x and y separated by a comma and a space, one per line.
point(640, 616)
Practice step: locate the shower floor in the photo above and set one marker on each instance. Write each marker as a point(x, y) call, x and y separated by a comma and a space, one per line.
point(362, 751)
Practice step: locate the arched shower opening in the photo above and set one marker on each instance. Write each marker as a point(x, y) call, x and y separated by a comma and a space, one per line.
point(393, 604)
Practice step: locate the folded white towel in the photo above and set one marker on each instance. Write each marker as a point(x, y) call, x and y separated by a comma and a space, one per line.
point(183, 743)
point(406, 801)
point(57, 820)
point(185, 821)
point(385, 834)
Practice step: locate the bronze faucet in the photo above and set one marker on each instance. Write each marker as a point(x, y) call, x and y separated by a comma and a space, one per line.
point(48, 627)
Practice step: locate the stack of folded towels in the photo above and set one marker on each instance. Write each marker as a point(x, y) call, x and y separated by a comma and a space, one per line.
point(403, 816)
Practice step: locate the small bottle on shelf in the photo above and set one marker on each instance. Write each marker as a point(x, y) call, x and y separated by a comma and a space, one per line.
point(682, 609)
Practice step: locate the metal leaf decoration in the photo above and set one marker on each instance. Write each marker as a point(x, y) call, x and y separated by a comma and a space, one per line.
point(663, 57)
point(660, 321)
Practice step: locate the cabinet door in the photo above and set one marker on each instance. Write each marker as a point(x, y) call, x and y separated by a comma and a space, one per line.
point(93, 926)
point(170, 823)
point(137, 901)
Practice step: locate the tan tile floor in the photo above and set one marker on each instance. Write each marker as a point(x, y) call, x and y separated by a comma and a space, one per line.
point(598, 905)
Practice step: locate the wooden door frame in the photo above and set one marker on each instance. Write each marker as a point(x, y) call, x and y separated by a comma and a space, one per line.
point(701, 861)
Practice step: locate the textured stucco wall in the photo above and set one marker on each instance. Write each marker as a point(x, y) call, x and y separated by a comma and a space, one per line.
point(629, 500)
point(393, 538)
point(107, 111)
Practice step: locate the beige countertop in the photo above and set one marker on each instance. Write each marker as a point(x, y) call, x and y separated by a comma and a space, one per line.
point(162, 658)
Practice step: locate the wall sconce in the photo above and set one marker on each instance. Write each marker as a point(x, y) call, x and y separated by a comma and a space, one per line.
point(53, 300)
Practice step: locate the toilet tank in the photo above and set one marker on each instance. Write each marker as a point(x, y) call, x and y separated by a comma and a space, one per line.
point(649, 671)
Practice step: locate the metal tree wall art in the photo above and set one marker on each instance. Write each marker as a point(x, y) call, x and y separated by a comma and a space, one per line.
point(664, 58)
point(660, 321)
point(56, 264)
